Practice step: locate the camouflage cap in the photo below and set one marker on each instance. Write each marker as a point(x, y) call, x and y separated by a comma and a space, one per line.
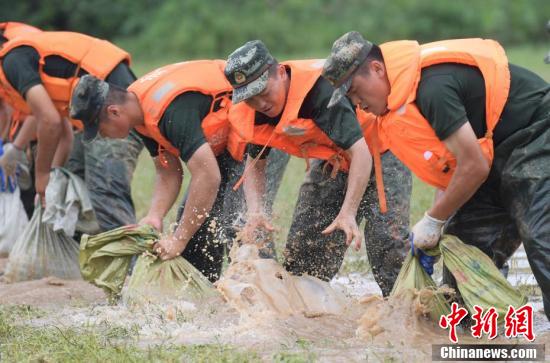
point(86, 102)
point(247, 70)
point(347, 54)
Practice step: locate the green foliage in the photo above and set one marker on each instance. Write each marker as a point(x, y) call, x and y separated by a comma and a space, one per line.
point(197, 28)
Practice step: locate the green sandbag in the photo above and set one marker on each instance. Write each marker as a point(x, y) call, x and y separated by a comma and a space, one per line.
point(478, 279)
point(154, 280)
point(105, 260)
point(414, 283)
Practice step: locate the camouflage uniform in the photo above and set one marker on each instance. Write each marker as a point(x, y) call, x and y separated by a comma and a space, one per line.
point(107, 165)
point(321, 197)
point(320, 200)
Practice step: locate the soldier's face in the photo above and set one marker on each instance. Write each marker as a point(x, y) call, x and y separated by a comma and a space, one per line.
point(370, 89)
point(116, 123)
point(271, 101)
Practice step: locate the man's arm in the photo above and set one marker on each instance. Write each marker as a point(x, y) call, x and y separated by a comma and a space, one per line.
point(65, 144)
point(471, 171)
point(203, 189)
point(167, 187)
point(358, 178)
point(49, 128)
point(254, 185)
point(254, 191)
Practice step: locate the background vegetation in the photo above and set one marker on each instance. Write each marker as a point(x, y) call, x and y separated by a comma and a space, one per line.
point(182, 29)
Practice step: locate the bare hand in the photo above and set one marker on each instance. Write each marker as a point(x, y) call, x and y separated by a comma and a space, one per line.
point(154, 222)
point(256, 229)
point(348, 225)
point(168, 248)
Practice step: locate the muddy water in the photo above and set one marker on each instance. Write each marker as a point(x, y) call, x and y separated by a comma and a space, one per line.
point(269, 327)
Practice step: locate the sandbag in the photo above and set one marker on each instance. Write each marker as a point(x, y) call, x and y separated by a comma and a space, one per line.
point(13, 220)
point(68, 205)
point(155, 281)
point(479, 281)
point(40, 252)
point(105, 261)
point(415, 284)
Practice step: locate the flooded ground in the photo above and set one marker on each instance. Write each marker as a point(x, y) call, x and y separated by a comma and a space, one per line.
point(330, 337)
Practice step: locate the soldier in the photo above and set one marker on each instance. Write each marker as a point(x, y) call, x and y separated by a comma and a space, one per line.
point(180, 111)
point(38, 72)
point(467, 122)
point(285, 107)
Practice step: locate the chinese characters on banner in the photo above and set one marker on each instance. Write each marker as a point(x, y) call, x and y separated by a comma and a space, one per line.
point(517, 322)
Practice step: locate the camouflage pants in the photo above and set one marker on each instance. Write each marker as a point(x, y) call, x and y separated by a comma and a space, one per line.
point(107, 166)
point(319, 201)
point(513, 205)
point(206, 248)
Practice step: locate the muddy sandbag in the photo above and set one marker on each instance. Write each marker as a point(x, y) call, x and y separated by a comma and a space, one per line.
point(105, 261)
point(155, 281)
point(415, 284)
point(479, 281)
point(13, 220)
point(68, 205)
point(40, 252)
point(257, 285)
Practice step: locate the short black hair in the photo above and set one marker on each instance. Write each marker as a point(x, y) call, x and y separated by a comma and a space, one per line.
point(116, 96)
point(375, 54)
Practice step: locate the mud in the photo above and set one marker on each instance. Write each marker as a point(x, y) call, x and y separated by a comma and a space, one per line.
point(265, 310)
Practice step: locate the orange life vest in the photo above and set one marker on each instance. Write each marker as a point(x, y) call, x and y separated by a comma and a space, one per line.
point(406, 132)
point(12, 29)
point(160, 87)
point(96, 56)
point(298, 136)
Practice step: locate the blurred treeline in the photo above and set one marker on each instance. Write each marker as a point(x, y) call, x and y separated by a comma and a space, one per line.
point(213, 28)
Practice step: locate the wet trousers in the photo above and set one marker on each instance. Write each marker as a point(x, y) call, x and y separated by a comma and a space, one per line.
point(206, 248)
point(107, 167)
point(320, 200)
point(513, 205)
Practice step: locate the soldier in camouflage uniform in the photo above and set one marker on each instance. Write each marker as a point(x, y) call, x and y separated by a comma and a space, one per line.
point(310, 249)
point(106, 165)
point(491, 204)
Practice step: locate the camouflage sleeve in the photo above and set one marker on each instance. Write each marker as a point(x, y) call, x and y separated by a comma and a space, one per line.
point(338, 122)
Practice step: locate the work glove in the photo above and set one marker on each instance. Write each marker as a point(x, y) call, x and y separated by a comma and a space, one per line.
point(427, 232)
point(10, 156)
point(426, 261)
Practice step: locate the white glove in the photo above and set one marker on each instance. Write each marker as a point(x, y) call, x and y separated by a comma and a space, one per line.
point(10, 158)
point(426, 232)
